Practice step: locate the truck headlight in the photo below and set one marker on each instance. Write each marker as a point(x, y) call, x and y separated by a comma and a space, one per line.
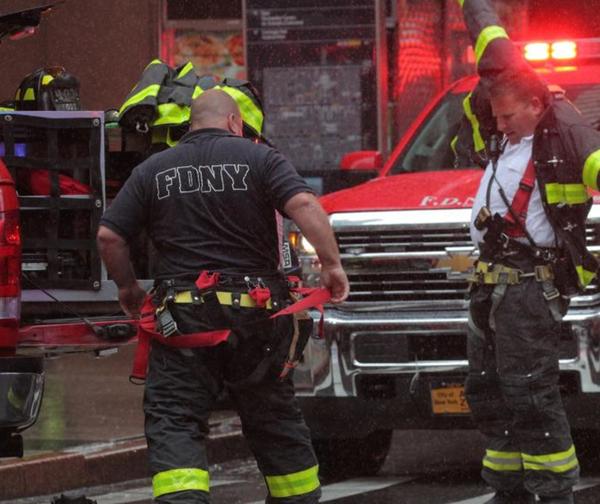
point(310, 267)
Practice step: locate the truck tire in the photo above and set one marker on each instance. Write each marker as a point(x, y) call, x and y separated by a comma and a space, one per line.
point(352, 457)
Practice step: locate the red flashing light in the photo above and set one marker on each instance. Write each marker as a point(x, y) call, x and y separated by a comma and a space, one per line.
point(544, 51)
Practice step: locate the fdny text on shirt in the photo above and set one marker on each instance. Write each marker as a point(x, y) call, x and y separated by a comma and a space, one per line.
point(206, 179)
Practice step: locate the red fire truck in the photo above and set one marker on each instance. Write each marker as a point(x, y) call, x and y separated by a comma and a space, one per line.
point(394, 355)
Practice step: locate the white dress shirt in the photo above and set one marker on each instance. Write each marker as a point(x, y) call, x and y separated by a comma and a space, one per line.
point(511, 167)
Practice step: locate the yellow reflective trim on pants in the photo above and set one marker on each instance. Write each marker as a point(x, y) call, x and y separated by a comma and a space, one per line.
point(478, 142)
point(487, 35)
point(47, 79)
point(554, 462)
point(585, 276)
point(591, 168)
point(185, 70)
point(178, 480)
point(151, 90)
point(572, 194)
point(298, 483)
point(29, 95)
point(172, 113)
point(502, 461)
point(251, 113)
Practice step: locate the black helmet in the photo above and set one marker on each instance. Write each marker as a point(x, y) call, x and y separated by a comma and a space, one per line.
point(49, 88)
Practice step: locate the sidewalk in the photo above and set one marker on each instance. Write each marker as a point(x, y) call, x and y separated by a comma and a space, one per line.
point(90, 431)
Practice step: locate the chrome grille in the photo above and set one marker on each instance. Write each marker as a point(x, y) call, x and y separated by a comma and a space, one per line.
point(407, 264)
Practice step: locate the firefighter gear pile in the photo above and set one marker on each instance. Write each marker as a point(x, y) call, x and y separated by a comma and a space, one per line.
point(520, 291)
point(160, 102)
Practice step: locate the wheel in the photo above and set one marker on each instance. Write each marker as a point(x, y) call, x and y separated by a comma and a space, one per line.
point(348, 458)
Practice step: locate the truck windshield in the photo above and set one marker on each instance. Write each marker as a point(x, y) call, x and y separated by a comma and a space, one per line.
point(430, 149)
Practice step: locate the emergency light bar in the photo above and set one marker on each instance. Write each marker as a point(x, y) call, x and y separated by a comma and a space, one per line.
point(560, 50)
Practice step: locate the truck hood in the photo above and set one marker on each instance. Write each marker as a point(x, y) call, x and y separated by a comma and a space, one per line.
point(408, 191)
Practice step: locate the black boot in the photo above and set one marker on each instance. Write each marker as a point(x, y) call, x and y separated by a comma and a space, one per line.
point(519, 497)
point(562, 499)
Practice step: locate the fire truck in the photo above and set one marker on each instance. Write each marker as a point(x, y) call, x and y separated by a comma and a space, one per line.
point(394, 355)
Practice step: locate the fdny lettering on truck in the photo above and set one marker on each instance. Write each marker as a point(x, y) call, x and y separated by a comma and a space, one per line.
point(447, 201)
point(189, 179)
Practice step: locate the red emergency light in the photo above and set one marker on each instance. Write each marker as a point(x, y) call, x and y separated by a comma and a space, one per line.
point(544, 51)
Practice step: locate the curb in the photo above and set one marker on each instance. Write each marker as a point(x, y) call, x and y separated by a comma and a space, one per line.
point(121, 461)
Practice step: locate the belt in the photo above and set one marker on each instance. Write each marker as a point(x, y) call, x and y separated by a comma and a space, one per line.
point(492, 274)
point(225, 298)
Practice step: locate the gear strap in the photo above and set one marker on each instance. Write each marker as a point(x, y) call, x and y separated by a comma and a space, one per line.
point(517, 214)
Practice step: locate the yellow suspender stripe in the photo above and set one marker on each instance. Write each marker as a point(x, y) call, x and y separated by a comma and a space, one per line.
point(477, 139)
point(572, 194)
point(251, 113)
point(554, 462)
point(487, 35)
point(298, 483)
point(178, 480)
point(151, 90)
point(591, 168)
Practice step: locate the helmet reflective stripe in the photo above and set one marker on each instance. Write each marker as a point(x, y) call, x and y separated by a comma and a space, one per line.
point(487, 35)
point(47, 79)
point(298, 483)
point(29, 94)
point(251, 113)
point(179, 480)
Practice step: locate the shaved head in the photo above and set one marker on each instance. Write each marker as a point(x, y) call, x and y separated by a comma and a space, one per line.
point(216, 109)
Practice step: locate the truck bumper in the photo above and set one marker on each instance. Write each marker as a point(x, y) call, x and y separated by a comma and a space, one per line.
point(378, 368)
point(21, 389)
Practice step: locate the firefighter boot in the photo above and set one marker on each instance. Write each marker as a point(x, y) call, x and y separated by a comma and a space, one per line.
point(562, 499)
point(519, 497)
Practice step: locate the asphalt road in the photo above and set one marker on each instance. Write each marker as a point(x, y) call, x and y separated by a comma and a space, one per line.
point(423, 467)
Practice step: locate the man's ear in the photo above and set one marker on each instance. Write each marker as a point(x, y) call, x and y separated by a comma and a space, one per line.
point(537, 105)
point(234, 125)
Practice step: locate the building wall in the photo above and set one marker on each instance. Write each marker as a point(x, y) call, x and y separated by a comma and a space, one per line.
point(105, 43)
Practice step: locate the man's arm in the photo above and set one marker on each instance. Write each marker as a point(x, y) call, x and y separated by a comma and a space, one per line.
point(114, 251)
point(305, 210)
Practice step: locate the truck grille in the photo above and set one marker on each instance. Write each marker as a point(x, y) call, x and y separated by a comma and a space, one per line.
point(413, 264)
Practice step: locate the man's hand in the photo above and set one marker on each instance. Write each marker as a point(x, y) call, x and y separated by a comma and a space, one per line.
point(131, 299)
point(334, 278)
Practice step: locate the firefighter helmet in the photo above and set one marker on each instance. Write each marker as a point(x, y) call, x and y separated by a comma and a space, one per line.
point(48, 88)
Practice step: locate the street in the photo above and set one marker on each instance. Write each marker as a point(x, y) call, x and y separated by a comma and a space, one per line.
point(424, 467)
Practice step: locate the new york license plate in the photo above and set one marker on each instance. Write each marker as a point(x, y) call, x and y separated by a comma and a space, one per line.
point(449, 399)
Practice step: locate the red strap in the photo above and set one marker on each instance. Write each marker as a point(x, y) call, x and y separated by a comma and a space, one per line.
point(207, 280)
point(146, 332)
point(315, 299)
point(520, 203)
point(260, 295)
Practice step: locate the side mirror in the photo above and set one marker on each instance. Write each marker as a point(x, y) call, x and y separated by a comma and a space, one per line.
point(362, 160)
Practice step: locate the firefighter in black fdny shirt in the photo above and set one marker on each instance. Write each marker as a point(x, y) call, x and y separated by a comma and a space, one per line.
point(209, 204)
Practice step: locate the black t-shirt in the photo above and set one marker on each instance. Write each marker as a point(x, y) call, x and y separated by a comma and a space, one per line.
point(208, 203)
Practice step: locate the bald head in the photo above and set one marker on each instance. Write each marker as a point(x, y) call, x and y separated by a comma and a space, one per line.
point(216, 109)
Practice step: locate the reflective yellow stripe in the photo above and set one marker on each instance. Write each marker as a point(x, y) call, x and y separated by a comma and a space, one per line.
point(487, 35)
point(151, 90)
point(453, 144)
point(554, 462)
point(185, 70)
point(6, 109)
point(460, 3)
point(29, 95)
point(47, 79)
point(585, 276)
point(224, 297)
point(178, 480)
point(197, 92)
point(251, 113)
point(591, 168)
point(298, 483)
point(153, 62)
point(571, 194)
point(502, 461)
point(172, 113)
point(477, 139)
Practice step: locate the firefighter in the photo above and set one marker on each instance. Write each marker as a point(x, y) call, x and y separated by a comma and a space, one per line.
point(528, 221)
point(209, 205)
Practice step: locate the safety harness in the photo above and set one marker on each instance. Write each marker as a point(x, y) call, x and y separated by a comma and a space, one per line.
point(517, 214)
point(156, 323)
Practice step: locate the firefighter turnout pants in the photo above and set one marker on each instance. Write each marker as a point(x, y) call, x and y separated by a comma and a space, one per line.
point(512, 389)
point(182, 386)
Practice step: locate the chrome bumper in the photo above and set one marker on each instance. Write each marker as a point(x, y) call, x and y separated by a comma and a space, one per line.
point(330, 367)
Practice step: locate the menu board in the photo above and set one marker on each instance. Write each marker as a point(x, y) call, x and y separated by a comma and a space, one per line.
point(315, 64)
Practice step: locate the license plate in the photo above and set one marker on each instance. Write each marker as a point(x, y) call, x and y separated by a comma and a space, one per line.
point(449, 399)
